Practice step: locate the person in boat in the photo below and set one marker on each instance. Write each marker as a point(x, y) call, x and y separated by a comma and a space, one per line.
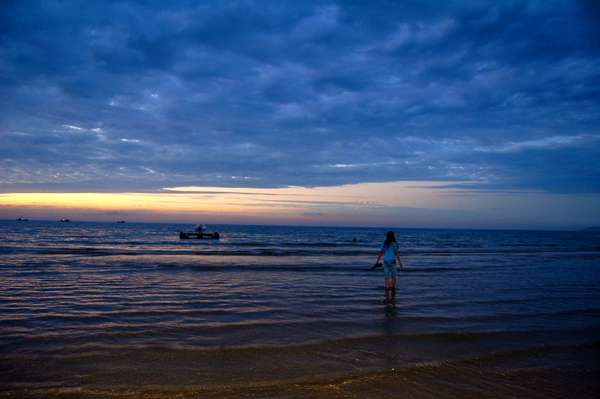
point(201, 229)
point(390, 253)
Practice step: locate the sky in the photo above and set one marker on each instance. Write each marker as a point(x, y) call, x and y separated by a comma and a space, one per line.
point(378, 113)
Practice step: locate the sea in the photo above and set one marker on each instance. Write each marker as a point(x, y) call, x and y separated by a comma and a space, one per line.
point(128, 310)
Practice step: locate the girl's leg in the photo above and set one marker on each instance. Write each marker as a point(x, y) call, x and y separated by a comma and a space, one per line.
point(388, 290)
point(393, 289)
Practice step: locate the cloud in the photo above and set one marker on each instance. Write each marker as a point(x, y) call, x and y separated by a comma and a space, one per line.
point(298, 93)
point(419, 34)
point(74, 127)
point(552, 142)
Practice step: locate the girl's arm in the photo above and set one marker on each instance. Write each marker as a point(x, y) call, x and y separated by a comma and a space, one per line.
point(399, 260)
point(379, 255)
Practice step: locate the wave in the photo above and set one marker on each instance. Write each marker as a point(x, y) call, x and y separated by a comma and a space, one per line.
point(216, 250)
point(72, 349)
point(484, 346)
point(300, 268)
point(103, 331)
point(145, 329)
point(432, 269)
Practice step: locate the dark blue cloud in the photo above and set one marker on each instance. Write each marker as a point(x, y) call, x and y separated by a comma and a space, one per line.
point(143, 95)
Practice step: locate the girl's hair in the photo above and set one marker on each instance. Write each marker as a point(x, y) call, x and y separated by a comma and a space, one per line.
point(390, 237)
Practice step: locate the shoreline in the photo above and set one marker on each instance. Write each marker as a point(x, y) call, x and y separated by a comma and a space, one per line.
point(322, 370)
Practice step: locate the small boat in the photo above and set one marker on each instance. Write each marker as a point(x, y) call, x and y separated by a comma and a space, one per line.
point(64, 220)
point(21, 219)
point(188, 235)
point(199, 233)
point(120, 221)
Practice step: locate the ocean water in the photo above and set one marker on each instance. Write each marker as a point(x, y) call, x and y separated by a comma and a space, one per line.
point(130, 310)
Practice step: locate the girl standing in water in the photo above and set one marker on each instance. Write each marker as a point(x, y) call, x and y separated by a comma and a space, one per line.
point(389, 252)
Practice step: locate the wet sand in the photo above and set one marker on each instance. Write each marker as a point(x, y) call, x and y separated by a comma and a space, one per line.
point(356, 368)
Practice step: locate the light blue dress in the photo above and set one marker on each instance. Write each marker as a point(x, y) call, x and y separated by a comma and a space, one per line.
point(389, 260)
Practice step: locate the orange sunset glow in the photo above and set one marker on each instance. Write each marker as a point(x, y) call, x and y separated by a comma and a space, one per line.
point(401, 203)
